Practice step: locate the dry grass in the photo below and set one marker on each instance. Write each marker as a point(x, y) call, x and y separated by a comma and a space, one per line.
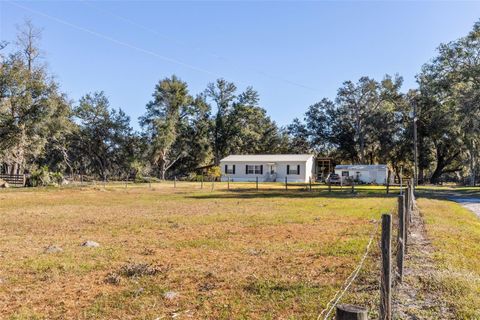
point(455, 235)
point(181, 252)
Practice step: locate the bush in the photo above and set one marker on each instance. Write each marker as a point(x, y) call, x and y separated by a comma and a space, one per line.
point(141, 179)
point(56, 178)
point(214, 172)
point(43, 177)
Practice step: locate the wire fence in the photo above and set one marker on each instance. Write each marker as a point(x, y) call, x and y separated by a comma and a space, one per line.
point(330, 307)
point(390, 274)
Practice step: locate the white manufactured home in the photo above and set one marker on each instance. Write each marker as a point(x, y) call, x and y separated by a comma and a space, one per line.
point(377, 173)
point(268, 167)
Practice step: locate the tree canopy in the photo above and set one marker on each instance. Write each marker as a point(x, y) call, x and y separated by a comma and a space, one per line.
point(368, 121)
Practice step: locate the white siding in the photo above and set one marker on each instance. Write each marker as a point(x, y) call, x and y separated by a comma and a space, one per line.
point(306, 168)
point(378, 176)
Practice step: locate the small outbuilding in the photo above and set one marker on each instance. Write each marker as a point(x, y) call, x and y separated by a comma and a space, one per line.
point(268, 167)
point(377, 173)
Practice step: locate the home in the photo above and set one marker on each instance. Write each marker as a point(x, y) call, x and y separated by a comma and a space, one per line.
point(377, 173)
point(268, 167)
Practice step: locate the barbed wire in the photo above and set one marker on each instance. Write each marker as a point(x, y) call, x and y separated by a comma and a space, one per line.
point(348, 282)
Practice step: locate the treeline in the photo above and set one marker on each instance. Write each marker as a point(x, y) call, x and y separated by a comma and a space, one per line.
point(369, 121)
point(373, 121)
point(41, 128)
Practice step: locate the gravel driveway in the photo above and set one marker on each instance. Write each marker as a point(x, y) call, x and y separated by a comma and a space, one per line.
point(472, 204)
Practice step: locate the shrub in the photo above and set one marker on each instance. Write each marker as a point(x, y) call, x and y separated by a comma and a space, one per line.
point(214, 172)
point(43, 177)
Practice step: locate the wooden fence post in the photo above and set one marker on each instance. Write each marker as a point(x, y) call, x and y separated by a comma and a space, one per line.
point(310, 183)
point(329, 186)
point(407, 215)
point(388, 182)
point(201, 183)
point(256, 181)
point(228, 183)
point(286, 184)
point(104, 182)
point(401, 237)
point(385, 280)
point(213, 184)
point(175, 181)
point(401, 180)
point(353, 186)
point(150, 183)
point(412, 198)
point(351, 312)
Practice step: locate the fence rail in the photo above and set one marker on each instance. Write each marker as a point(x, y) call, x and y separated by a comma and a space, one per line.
point(14, 179)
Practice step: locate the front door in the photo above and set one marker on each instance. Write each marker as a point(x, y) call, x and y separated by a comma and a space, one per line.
point(273, 169)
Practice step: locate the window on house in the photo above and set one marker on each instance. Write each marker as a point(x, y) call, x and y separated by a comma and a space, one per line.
point(345, 174)
point(229, 169)
point(293, 169)
point(254, 169)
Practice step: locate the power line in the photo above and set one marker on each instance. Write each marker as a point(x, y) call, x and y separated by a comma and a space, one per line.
point(180, 43)
point(116, 41)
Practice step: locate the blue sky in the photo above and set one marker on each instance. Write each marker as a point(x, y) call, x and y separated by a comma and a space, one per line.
point(293, 53)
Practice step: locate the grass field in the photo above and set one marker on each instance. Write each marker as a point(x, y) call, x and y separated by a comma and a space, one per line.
point(191, 253)
point(455, 235)
point(180, 253)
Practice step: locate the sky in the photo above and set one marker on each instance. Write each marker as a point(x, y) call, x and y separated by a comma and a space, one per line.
point(293, 53)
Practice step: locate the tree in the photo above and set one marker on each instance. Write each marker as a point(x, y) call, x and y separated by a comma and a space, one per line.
point(449, 87)
point(170, 104)
point(298, 134)
point(103, 143)
point(195, 138)
point(28, 37)
point(359, 101)
point(223, 95)
point(29, 99)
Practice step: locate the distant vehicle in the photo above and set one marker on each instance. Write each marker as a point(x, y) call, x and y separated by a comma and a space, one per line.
point(333, 178)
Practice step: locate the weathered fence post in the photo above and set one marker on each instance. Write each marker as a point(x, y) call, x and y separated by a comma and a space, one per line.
point(385, 280)
point(310, 184)
point(175, 181)
point(201, 183)
point(104, 183)
point(126, 182)
point(286, 184)
point(388, 182)
point(351, 312)
point(256, 182)
point(150, 183)
point(414, 186)
point(412, 198)
point(401, 180)
point(353, 186)
point(81, 179)
point(213, 184)
point(401, 237)
point(407, 215)
point(329, 186)
point(228, 183)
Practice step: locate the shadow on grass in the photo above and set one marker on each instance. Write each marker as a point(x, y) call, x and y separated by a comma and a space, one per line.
point(275, 193)
point(252, 193)
point(448, 193)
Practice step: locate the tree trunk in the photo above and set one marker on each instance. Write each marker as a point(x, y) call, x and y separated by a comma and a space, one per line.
point(472, 167)
point(434, 179)
point(162, 169)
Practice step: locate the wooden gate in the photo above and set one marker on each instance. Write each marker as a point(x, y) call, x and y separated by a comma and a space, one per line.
point(17, 180)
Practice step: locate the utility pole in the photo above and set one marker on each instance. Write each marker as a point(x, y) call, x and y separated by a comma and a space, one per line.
point(415, 144)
